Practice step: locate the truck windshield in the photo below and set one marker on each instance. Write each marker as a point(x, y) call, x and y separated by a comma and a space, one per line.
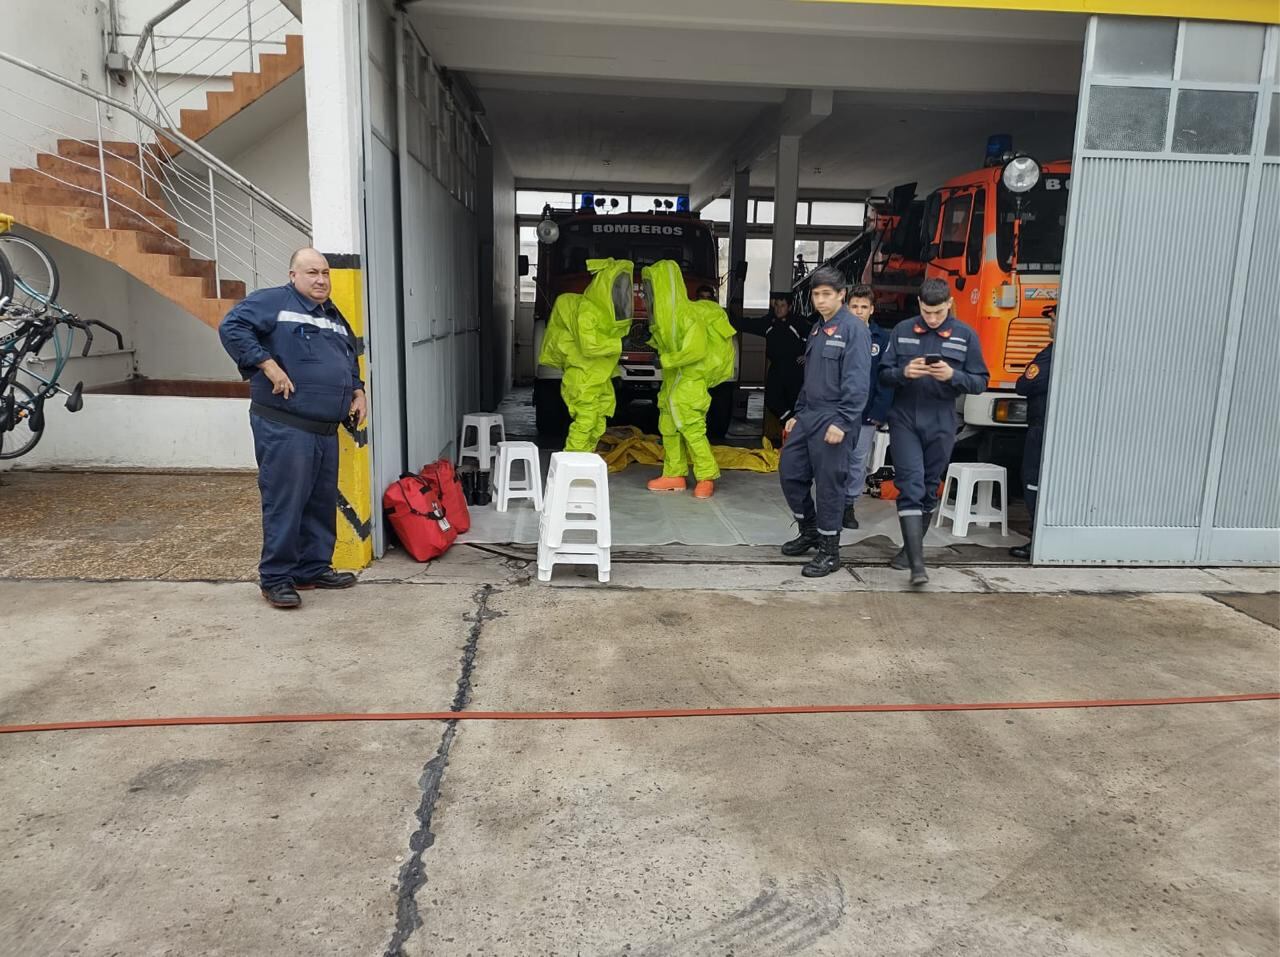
point(644, 243)
point(1044, 226)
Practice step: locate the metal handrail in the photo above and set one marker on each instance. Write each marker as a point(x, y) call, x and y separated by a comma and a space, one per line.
point(173, 135)
point(149, 28)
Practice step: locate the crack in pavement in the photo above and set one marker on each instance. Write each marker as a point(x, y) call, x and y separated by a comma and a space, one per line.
point(412, 876)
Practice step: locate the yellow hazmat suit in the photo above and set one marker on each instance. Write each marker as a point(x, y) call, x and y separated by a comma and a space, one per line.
point(694, 341)
point(584, 338)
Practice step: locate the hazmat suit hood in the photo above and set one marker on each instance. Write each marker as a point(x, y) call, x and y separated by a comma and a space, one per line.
point(610, 289)
point(665, 294)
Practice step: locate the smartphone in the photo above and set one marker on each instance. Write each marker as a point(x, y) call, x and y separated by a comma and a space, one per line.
point(932, 359)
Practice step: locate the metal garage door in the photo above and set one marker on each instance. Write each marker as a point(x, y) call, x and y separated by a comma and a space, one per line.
point(1163, 440)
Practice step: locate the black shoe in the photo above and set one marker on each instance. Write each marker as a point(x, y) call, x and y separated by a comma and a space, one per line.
point(329, 579)
point(802, 543)
point(899, 561)
point(826, 561)
point(913, 545)
point(1022, 552)
point(850, 520)
point(282, 596)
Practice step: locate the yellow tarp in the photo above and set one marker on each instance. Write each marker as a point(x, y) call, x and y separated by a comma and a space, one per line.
point(626, 445)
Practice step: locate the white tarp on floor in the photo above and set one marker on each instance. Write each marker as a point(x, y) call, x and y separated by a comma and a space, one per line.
point(747, 509)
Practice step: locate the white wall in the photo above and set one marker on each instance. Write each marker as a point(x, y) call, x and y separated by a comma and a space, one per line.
point(65, 37)
point(179, 433)
point(502, 331)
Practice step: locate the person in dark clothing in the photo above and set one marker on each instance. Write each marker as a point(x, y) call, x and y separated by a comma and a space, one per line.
point(301, 360)
point(931, 360)
point(1034, 384)
point(828, 414)
point(784, 335)
point(861, 303)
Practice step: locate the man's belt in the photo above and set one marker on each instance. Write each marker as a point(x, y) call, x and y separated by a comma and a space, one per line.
point(288, 418)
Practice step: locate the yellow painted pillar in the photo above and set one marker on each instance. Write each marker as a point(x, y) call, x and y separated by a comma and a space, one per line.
point(354, 548)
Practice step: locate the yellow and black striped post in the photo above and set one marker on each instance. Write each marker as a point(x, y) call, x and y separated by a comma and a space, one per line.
point(354, 548)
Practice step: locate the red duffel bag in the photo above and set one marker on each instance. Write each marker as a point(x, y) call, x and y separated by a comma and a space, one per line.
point(418, 517)
point(443, 478)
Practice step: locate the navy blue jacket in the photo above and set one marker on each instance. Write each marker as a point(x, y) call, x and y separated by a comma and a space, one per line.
point(880, 396)
point(837, 370)
point(959, 347)
point(1034, 384)
point(312, 343)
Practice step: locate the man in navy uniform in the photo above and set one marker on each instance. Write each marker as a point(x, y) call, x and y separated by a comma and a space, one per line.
point(785, 335)
point(862, 303)
point(300, 357)
point(930, 361)
point(1034, 384)
point(827, 417)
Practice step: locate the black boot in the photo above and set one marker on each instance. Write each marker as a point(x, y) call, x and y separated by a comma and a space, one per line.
point(807, 539)
point(826, 561)
point(899, 561)
point(1022, 552)
point(850, 519)
point(913, 545)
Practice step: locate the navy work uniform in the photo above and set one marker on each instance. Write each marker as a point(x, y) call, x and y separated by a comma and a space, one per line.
point(1034, 384)
point(837, 372)
point(295, 439)
point(876, 412)
point(922, 420)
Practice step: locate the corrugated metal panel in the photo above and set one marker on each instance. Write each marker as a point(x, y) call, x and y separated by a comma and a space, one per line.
point(1249, 496)
point(441, 307)
point(1137, 364)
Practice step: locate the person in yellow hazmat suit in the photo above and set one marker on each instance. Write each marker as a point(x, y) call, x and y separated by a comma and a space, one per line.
point(694, 342)
point(584, 338)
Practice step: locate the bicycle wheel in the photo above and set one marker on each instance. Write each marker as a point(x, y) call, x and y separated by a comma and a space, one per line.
point(6, 280)
point(34, 272)
point(18, 412)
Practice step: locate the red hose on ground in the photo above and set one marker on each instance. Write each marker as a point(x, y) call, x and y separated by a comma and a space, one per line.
point(173, 722)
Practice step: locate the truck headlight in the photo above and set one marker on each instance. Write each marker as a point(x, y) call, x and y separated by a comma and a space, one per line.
point(1009, 411)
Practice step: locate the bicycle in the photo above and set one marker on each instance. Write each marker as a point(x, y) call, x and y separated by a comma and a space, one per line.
point(28, 275)
point(28, 332)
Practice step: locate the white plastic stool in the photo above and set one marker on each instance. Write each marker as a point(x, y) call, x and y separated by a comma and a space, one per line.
point(879, 450)
point(483, 448)
point(575, 526)
point(965, 478)
point(529, 485)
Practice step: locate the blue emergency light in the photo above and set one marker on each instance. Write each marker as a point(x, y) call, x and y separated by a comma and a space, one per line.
point(999, 145)
point(682, 204)
point(588, 201)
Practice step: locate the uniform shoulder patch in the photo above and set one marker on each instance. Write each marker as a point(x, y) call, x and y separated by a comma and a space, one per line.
point(830, 330)
point(1033, 371)
point(875, 348)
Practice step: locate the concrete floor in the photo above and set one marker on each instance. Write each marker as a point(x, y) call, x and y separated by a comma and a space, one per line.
point(1137, 831)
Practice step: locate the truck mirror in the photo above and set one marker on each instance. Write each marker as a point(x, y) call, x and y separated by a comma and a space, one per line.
point(524, 266)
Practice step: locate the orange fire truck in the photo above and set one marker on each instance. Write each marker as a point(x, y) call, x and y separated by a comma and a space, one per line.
point(1001, 253)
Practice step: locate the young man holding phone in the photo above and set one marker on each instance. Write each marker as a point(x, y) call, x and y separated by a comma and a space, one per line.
point(930, 361)
point(827, 416)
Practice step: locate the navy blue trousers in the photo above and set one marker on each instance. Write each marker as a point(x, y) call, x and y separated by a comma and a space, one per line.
point(1031, 455)
point(921, 447)
point(298, 479)
point(808, 461)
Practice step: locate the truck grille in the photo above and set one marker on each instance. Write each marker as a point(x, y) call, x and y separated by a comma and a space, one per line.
point(1026, 338)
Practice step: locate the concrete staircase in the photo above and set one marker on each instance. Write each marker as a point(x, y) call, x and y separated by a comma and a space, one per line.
point(61, 197)
point(246, 89)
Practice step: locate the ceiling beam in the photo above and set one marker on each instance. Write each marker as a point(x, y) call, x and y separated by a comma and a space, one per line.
point(800, 112)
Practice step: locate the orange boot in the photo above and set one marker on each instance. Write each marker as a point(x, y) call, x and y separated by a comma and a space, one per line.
point(664, 484)
point(704, 489)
